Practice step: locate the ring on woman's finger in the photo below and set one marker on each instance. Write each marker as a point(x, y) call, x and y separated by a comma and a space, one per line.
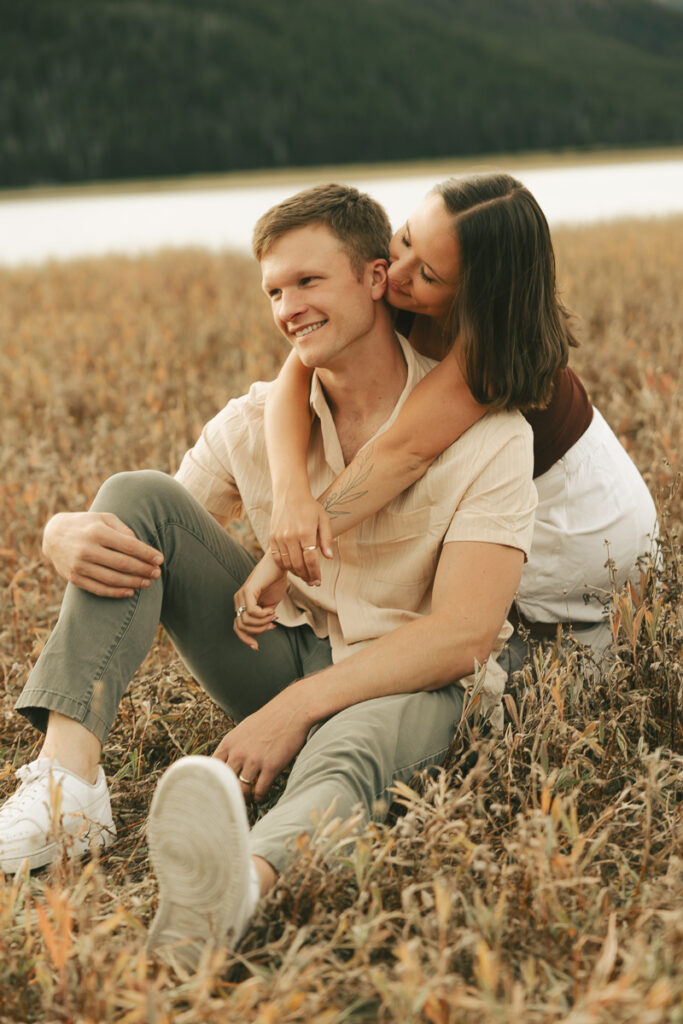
point(241, 610)
point(310, 547)
point(247, 782)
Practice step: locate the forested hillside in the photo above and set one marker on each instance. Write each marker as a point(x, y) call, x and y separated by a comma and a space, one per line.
point(94, 89)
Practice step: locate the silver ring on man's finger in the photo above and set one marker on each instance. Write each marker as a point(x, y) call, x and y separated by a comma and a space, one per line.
point(241, 610)
point(247, 782)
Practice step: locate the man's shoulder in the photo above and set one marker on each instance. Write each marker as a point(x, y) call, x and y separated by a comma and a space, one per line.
point(243, 408)
point(493, 433)
point(505, 423)
point(254, 398)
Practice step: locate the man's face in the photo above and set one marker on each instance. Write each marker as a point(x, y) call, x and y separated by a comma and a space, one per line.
point(318, 301)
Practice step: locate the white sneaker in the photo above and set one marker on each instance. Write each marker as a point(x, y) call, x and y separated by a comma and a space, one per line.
point(198, 838)
point(53, 809)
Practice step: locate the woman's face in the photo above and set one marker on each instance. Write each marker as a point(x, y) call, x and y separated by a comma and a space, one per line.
point(425, 261)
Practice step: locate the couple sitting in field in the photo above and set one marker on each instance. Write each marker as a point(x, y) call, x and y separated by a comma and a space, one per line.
point(355, 665)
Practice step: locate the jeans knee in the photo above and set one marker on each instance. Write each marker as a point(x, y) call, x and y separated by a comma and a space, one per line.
point(131, 490)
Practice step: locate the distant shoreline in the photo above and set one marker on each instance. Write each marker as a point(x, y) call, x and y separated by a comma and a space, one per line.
point(282, 175)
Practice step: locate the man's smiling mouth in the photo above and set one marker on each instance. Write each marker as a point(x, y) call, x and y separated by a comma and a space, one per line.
point(308, 329)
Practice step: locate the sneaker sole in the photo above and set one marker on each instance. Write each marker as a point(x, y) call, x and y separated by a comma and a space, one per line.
point(197, 836)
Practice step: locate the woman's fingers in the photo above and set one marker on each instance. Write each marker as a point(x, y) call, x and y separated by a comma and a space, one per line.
point(325, 537)
point(311, 561)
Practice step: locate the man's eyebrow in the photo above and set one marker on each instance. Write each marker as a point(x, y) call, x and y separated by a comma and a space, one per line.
point(299, 275)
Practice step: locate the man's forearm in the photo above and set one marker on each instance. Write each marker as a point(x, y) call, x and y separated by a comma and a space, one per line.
point(425, 654)
point(430, 651)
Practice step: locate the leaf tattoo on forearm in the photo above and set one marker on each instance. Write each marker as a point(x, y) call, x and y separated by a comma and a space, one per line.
point(353, 477)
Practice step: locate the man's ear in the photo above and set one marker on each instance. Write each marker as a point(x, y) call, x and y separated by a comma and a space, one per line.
point(378, 278)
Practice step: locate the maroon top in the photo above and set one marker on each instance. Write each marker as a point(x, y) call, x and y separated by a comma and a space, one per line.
point(557, 427)
point(560, 425)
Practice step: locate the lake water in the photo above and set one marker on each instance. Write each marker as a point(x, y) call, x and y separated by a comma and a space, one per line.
point(36, 229)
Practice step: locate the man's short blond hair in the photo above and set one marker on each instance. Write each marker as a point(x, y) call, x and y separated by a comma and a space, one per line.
point(358, 221)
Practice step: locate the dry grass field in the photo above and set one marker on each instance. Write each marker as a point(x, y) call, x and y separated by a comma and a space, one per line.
point(540, 881)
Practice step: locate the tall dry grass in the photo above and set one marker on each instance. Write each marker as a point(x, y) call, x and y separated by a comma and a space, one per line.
point(538, 879)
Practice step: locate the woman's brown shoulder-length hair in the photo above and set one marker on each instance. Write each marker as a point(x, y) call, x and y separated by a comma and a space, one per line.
point(514, 330)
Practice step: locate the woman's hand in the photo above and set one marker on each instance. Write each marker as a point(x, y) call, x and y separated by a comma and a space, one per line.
point(298, 526)
point(257, 599)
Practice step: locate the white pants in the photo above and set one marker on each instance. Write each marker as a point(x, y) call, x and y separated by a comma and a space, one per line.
point(593, 505)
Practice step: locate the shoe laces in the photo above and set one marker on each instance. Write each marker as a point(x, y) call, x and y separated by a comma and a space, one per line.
point(27, 774)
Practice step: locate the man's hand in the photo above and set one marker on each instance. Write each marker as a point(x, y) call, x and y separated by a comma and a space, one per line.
point(257, 600)
point(99, 553)
point(264, 743)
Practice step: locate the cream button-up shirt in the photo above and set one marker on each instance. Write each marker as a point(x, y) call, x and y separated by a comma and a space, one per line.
point(479, 489)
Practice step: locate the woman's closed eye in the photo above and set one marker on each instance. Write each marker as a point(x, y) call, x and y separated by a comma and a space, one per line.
point(425, 276)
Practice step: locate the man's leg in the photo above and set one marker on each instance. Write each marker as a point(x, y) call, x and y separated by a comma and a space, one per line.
point(347, 764)
point(98, 643)
point(352, 759)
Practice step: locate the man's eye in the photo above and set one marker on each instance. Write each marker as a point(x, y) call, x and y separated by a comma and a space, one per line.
point(307, 280)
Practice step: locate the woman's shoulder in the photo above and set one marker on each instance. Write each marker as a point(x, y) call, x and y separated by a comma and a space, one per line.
point(564, 420)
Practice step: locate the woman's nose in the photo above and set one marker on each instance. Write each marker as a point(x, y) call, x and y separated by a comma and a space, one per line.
point(400, 270)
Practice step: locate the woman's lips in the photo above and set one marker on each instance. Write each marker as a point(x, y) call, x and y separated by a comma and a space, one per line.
point(395, 288)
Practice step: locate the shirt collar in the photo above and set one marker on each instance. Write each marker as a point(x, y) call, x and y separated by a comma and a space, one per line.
point(417, 366)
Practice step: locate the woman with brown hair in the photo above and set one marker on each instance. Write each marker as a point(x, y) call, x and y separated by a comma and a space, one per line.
point(472, 277)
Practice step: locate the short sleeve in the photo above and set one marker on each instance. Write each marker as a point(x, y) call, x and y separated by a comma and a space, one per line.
point(498, 506)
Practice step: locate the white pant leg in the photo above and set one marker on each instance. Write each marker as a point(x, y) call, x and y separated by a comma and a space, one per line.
point(593, 505)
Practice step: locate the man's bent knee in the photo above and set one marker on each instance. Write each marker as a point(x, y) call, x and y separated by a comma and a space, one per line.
point(133, 489)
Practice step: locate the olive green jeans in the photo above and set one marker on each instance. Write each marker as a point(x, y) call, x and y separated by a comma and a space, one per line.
point(349, 761)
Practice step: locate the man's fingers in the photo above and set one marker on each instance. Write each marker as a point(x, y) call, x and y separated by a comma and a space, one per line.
point(104, 576)
point(114, 558)
point(117, 524)
point(253, 625)
point(244, 636)
point(119, 537)
point(255, 780)
point(223, 749)
point(100, 589)
point(265, 780)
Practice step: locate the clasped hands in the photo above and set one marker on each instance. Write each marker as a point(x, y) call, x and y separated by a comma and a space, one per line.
point(299, 528)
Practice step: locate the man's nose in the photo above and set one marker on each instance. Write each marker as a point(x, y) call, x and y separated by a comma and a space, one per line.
point(291, 305)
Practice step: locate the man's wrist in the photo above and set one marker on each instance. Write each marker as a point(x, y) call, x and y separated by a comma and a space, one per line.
point(308, 692)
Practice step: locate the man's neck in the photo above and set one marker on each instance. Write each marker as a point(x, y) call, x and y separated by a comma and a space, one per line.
point(363, 390)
